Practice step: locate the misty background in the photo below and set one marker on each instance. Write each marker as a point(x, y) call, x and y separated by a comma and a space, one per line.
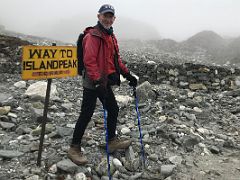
point(136, 19)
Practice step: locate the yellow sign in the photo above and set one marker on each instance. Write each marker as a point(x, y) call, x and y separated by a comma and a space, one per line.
point(43, 62)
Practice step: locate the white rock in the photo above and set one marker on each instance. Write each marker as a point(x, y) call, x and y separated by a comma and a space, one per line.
point(163, 118)
point(53, 169)
point(20, 84)
point(151, 62)
point(201, 145)
point(19, 108)
point(147, 146)
point(182, 108)
point(80, 176)
point(12, 115)
point(71, 125)
point(125, 130)
point(203, 131)
point(117, 162)
point(38, 90)
point(123, 99)
point(237, 81)
point(196, 109)
point(191, 94)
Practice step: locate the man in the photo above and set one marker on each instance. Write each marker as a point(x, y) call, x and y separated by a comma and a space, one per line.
point(103, 67)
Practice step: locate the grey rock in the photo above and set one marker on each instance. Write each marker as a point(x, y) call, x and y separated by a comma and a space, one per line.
point(189, 142)
point(107, 178)
point(4, 97)
point(214, 149)
point(23, 130)
point(10, 154)
point(144, 92)
point(130, 155)
point(167, 170)
point(67, 106)
point(37, 115)
point(153, 157)
point(34, 177)
point(6, 125)
point(135, 176)
point(102, 168)
point(175, 160)
point(96, 177)
point(63, 132)
point(67, 165)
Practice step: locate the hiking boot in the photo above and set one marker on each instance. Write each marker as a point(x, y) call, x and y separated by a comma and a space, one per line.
point(118, 143)
point(76, 155)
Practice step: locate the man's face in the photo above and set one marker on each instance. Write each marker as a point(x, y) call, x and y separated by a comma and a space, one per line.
point(106, 19)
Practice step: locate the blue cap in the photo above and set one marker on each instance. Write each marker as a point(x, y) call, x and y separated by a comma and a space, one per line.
point(106, 8)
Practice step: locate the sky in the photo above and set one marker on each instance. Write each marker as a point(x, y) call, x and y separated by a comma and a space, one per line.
point(174, 19)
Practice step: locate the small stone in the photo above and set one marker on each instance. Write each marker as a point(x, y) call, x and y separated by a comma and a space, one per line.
point(199, 86)
point(117, 162)
point(5, 110)
point(153, 157)
point(203, 131)
point(125, 100)
point(67, 165)
point(6, 125)
point(80, 176)
point(62, 131)
point(102, 167)
point(34, 177)
point(175, 160)
point(167, 170)
point(125, 131)
point(163, 118)
point(48, 129)
point(20, 84)
point(12, 115)
point(10, 154)
point(67, 106)
point(196, 109)
point(214, 149)
point(182, 108)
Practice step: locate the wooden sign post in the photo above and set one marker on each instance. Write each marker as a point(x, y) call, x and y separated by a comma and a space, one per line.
point(47, 62)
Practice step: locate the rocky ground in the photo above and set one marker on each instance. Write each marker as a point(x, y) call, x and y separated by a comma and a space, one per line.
point(186, 135)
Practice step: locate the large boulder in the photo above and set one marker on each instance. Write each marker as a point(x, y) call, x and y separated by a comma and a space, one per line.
point(145, 92)
point(38, 90)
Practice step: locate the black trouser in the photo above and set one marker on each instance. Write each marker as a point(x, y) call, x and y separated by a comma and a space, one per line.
point(87, 110)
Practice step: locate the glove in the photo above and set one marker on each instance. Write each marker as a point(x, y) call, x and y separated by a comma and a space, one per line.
point(100, 88)
point(114, 79)
point(132, 80)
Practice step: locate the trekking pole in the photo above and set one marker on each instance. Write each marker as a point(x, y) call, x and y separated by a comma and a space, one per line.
point(106, 129)
point(139, 127)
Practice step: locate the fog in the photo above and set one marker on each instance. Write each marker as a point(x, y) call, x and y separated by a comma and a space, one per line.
point(136, 19)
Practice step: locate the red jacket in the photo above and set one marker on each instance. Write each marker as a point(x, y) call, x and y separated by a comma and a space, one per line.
point(98, 54)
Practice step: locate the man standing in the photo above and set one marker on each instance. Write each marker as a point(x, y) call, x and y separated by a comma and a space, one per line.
point(103, 67)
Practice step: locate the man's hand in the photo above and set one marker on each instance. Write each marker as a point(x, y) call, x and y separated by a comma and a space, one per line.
point(100, 88)
point(132, 80)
